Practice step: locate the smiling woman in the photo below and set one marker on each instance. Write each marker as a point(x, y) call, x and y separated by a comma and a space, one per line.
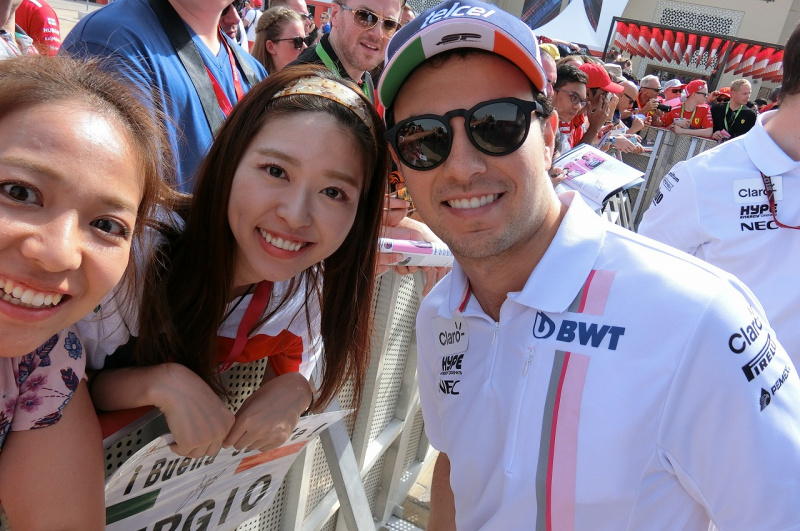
point(79, 176)
point(276, 258)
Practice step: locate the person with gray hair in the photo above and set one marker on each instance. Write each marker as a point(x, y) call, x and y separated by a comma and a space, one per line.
point(648, 99)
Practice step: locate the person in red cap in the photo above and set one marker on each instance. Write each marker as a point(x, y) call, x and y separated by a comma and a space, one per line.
point(693, 116)
point(602, 94)
point(733, 118)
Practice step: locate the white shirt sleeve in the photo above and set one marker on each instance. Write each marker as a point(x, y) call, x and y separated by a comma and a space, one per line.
point(673, 217)
point(729, 430)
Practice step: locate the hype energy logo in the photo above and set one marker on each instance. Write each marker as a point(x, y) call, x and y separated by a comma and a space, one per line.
point(571, 331)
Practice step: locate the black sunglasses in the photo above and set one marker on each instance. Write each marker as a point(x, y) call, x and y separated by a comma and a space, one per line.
point(495, 127)
point(367, 20)
point(297, 41)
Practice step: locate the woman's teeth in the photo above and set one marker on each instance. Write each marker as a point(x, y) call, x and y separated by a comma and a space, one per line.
point(27, 297)
point(280, 243)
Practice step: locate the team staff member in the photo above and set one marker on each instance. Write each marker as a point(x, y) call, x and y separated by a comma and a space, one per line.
point(693, 116)
point(571, 373)
point(715, 207)
point(358, 37)
point(733, 118)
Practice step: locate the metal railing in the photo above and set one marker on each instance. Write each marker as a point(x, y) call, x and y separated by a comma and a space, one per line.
point(359, 472)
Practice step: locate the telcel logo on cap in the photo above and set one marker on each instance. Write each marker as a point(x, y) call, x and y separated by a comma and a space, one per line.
point(457, 10)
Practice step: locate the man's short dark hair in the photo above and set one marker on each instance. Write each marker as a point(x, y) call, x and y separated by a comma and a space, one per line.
point(570, 74)
point(791, 65)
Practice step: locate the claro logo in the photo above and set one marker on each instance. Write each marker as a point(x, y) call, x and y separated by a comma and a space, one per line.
point(568, 331)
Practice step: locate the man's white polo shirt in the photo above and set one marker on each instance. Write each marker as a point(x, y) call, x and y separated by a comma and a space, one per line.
point(626, 386)
point(714, 207)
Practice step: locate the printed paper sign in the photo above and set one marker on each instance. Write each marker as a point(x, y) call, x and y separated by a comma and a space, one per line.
point(157, 489)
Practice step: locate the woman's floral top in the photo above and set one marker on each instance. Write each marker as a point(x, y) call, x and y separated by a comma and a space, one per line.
point(36, 387)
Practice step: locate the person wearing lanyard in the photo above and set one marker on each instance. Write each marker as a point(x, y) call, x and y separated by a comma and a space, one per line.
point(280, 236)
point(733, 118)
point(693, 116)
point(571, 374)
point(718, 207)
point(194, 96)
point(357, 40)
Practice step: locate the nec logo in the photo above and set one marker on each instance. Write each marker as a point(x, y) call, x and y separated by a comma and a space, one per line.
point(570, 331)
point(457, 37)
point(448, 387)
point(758, 225)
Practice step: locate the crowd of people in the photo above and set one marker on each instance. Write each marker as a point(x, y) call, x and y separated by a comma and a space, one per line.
point(205, 185)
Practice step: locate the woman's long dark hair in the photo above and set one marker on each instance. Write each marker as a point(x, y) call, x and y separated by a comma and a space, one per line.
point(188, 288)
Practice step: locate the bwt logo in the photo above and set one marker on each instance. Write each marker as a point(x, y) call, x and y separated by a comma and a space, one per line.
point(585, 333)
point(457, 37)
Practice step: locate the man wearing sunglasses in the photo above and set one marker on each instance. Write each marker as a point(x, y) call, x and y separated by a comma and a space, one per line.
point(572, 375)
point(649, 99)
point(717, 207)
point(135, 43)
point(355, 45)
point(693, 116)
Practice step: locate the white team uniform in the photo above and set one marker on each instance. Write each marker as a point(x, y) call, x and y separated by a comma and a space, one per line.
point(713, 206)
point(286, 334)
point(626, 386)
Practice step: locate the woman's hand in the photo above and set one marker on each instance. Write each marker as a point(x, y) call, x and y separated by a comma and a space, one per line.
point(270, 414)
point(197, 418)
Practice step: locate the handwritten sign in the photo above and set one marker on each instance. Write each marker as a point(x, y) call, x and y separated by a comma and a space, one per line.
point(158, 490)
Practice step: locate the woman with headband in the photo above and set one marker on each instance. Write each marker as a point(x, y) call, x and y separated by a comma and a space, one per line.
point(276, 258)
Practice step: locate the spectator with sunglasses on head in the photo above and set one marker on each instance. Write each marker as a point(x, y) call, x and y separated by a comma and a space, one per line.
point(143, 51)
point(279, 38)
point(572, 374)
point(360, 30)
point(693, 116)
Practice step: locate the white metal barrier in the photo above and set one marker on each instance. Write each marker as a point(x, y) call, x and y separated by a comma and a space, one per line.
point(668, 150)
point(358, 473)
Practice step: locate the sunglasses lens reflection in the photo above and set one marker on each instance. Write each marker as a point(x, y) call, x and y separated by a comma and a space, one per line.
point(496, 128)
